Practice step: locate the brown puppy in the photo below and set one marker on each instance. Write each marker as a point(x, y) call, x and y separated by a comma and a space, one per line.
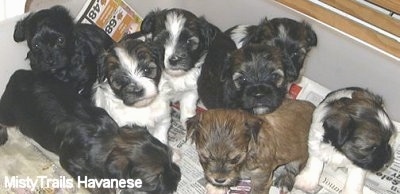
point(235, 144)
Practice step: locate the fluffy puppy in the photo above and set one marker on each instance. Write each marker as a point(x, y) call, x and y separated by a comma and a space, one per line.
point(186, 40)
point(61, 48)
point(294, 38)
point(350, 129)
point(253, 78)
point(234, 143)
point(87, 140)
point(127, 88)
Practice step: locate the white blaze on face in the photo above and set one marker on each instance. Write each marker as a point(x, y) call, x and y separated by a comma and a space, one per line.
point(174, 24)
point(282, 32)
point(130, 64)
point(238, 34)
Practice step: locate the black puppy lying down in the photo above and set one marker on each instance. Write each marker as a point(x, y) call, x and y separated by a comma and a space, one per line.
point(88, 142)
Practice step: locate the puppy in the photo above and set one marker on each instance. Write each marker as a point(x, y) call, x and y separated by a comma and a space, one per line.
point(350, 129)
point(253, 78)
point(294, 38)
point(61, 48)
point(88, 142)
point(186, 40)
point(234, 143)
point(127, 88)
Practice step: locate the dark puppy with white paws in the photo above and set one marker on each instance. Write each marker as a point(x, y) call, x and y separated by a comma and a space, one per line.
point(294, 38)
point(87, 140)
point(253, 78)
point(59, 47)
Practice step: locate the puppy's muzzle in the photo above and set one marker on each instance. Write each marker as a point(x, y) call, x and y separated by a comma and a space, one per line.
point(132, 93)
point(176, 59)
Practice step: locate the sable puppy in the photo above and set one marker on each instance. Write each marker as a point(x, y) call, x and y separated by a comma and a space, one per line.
point(88, 142)
point(350, 129)
point(186, 40)
point(253, 78)
point(127, 87)
point(294, 38)
point(59, 47)
point(235, 143)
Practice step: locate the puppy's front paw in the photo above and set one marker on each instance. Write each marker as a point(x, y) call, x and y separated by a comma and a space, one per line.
point(211, 189)
point(307, 183)
point(3, 135)
point(176, 155)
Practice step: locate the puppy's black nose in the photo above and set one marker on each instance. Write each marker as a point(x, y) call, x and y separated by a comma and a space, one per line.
point(220, 181)
point(174, 59)
point(133, 88)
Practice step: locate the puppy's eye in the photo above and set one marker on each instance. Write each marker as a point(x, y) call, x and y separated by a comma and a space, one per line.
point(235, 160)
point(193, 43)
point(60, 41)
point(370, 149)
point(35, 46)
point(150, 71)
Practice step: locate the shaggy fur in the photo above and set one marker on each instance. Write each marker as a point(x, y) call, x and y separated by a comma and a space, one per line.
point(252, 79)
point(186, 40)
point(61, 48)
point(233, 143)
point(294, 38)
point(128, 87)
point(350, 129)
point(88, 142)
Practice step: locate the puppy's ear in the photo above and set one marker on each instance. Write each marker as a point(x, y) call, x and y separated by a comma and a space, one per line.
point(226, 70)
point(116, 164)
point(253, 125)
point(20, 29)
point(102, 67)
point(149, 22)
point(192, 125)
point(338, 128)
point(311, 36)
point(207, 31)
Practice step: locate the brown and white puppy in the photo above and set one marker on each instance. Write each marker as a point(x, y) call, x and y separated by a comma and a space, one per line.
point(186, 40)
point(294, 38)
point(234, 143)
point(350, 129)
point(127, 87)
point(253, 79)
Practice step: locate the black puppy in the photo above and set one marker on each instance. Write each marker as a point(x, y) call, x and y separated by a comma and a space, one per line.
point(59, 47)
point(88, 142)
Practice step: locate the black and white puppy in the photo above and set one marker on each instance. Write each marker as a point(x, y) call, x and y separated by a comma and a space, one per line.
point(87, 140)
point(186, 39)
point(59, 47)
point(252, 79)
point(350, 129)
point(294, 38)
point(127, 88)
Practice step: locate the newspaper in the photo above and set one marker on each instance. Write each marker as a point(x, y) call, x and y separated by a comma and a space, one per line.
point(115, 17)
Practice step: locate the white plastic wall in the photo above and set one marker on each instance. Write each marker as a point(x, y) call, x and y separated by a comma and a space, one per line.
point(338, 60)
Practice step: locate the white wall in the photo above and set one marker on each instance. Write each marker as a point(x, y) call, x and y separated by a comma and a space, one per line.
point(338, 60)
point(11, 8)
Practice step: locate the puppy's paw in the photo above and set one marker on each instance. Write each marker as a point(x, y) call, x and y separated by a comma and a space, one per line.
point(307, 183)
point(176, 155)
point(3, 135)
point(211, 189)
point(284, 183)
